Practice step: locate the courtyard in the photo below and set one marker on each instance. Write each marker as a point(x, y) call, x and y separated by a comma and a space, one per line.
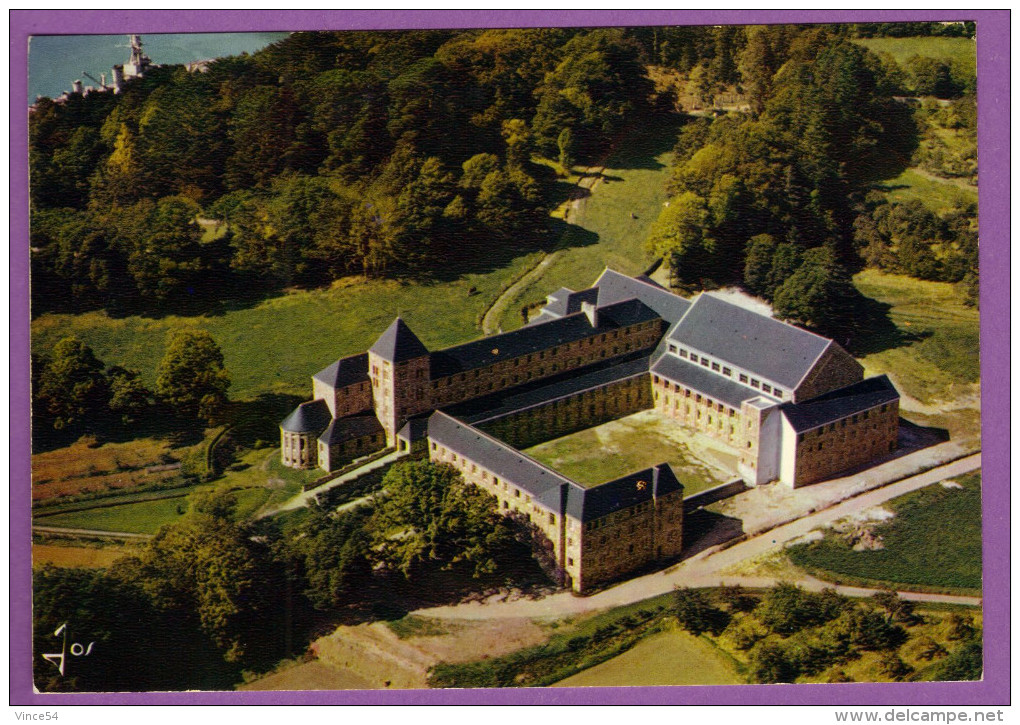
point(606, 452)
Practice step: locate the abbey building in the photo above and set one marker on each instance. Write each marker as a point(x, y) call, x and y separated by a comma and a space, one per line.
point(794, 405)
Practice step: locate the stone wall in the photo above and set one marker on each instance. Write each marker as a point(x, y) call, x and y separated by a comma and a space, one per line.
point(348, 400)
point(697, 411)
point(834, 369)
point(299, 450)
point(562, 416)
point(337, 455)
point(853, 441)
point(546, 363)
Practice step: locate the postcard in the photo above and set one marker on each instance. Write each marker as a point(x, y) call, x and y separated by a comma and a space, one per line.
point(510, 357)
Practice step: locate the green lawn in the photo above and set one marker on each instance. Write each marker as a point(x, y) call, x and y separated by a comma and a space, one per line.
point(936, 357)
point(609, 451)
point(602, 231)
point(136, 518)
point(938, 195)
point(933, 541)
point(667, 658)
point(277, 344)
point(960, 50)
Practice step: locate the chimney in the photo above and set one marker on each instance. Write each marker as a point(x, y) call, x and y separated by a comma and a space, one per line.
point(591, 312)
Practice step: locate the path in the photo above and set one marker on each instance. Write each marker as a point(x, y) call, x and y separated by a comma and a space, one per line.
point(703, 569)
point(88, 533)
point(490, 320)
point(305, 497)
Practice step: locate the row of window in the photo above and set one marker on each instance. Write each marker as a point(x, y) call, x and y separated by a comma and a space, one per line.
point(727, 371)
point(852, 420)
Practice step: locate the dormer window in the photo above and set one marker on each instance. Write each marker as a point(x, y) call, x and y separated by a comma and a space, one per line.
point(715, 366)
point(683, 353)
point(672, 348)
point(766, 388)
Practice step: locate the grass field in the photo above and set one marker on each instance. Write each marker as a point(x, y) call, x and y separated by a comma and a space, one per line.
point(79, 468)
point(135, 518)
point(609, 451)
point(667, 658)
point(77, 556)
point(939, 195)
point(937, 355)
point(959, 50)
point(277, 344)
point(934, 541)
point(602, 230)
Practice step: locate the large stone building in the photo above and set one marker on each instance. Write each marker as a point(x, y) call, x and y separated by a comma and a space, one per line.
point(794, 405)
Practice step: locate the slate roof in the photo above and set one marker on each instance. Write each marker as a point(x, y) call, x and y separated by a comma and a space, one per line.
point(415, 429)
point(634, 488)
point(398, 343)
point(767, 347)
point(310, 417)
point(535, 338)
point(567, 302)
point(504, 462)
point(839, 404)
point(716, 387)
point(549, 389)
point(350, 427)
point(614, 287)
point(345, 371)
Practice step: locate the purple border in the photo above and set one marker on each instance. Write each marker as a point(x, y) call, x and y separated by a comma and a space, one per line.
point(993, 48)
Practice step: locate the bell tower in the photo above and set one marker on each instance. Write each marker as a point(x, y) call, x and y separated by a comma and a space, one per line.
point(398, 364)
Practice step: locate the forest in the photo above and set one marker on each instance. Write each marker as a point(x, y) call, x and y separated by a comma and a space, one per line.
point(410, 154)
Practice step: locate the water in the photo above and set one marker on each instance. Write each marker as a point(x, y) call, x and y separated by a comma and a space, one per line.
point(56, 60)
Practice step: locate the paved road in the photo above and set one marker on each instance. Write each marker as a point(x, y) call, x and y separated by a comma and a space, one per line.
point(89, 533)
point(705, 569)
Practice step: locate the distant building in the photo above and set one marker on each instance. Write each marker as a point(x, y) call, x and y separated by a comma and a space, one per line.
point(793, 405)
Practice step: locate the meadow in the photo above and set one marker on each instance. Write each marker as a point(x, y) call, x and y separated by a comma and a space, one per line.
point(609, 227)
point(939, 195)
point(932, 543)
point(931, 349)
point(667, 658)
point(144, 517)
point(952, 50)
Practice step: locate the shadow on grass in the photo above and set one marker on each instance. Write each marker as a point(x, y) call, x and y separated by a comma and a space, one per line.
point(874, 331)
point(704, 529)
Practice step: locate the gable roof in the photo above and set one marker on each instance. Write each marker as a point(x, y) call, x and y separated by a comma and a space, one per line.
point(839, 404)
point(695, 377)
point(345, 429)
point(774, 350)
point(634, 488)
point(398, 343)
point(310, 417)
point(614, 287)
point(536, 338)
point(345, 371)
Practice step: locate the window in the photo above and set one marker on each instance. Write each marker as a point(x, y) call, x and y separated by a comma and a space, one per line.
point(517, 493)
point(727, 372)
point(715, 366)
point(672, 348)
point(766, 387)
point(704, 362)
point(683, 353)
point(755, 383)
point(743, 379)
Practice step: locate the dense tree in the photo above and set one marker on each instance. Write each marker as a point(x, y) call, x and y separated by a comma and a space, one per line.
point(335, 554)
point(818, 293)
point(72, 388)
point(191, 378)
point(114, 639)
point(209, 567)
point(696, 614)
point(429, 517)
